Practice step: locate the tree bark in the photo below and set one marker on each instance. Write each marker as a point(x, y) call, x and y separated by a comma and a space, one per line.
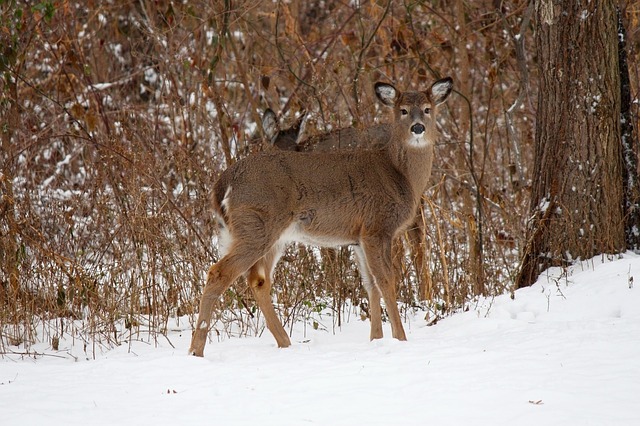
point(629, 146)
point(577, 192)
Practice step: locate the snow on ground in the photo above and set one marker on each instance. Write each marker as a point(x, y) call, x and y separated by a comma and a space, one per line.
point(565, 352)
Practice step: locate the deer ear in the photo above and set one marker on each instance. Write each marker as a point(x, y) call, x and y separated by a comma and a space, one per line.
point(298, 123)
point(387, 94)
point(269, 124)
point(440, 90)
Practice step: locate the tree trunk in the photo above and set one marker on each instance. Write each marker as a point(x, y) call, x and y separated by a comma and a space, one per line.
point(629, 147)
point(577, 194)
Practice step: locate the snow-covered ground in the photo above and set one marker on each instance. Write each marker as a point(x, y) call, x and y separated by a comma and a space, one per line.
point(565, 352)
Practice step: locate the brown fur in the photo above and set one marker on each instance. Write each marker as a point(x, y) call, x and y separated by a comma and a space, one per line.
point(363, 198)
point(375, 136)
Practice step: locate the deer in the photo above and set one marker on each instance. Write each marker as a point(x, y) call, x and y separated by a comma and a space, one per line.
point(362, 198)
point(276, 138)
point(287, 139)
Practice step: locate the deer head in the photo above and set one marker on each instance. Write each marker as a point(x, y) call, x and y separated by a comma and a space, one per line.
point(285, 140)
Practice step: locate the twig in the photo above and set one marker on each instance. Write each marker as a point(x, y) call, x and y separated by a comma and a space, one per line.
point(363, 51)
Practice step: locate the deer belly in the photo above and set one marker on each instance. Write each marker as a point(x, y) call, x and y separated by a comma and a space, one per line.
point(297, 233)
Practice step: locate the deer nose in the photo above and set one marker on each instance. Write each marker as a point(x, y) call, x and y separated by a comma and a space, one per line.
point(417, 129)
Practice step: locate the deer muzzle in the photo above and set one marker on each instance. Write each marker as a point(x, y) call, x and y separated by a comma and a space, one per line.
point(417, 129)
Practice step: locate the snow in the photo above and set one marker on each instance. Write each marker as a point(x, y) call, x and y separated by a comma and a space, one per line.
point(565, 351)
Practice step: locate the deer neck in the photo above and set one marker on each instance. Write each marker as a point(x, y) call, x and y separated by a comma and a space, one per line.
point(414, 163)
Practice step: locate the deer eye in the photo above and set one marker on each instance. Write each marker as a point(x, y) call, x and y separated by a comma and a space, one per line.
point(427, 110)
point(404, 111)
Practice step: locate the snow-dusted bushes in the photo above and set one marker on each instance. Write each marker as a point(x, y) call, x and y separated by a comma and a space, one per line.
point(118, 116)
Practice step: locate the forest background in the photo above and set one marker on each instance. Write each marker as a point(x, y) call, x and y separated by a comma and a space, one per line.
point(117, 117)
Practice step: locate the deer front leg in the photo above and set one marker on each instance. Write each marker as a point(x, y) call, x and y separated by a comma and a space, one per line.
point(377, 251)
point(417, 243)
point(375, 310)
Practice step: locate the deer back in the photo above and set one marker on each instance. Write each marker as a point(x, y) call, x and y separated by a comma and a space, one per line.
point(375, 136)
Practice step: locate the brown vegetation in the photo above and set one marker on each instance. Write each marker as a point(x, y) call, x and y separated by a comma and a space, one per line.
point(117, 117)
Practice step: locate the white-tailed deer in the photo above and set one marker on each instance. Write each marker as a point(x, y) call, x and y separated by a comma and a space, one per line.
point(285, 140)
point(362, 198)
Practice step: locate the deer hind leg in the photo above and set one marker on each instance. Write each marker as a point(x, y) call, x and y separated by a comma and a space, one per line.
point(220, 277)
point(378, 256)
point(259, 278)
point(243, 253)
point(375, 310)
